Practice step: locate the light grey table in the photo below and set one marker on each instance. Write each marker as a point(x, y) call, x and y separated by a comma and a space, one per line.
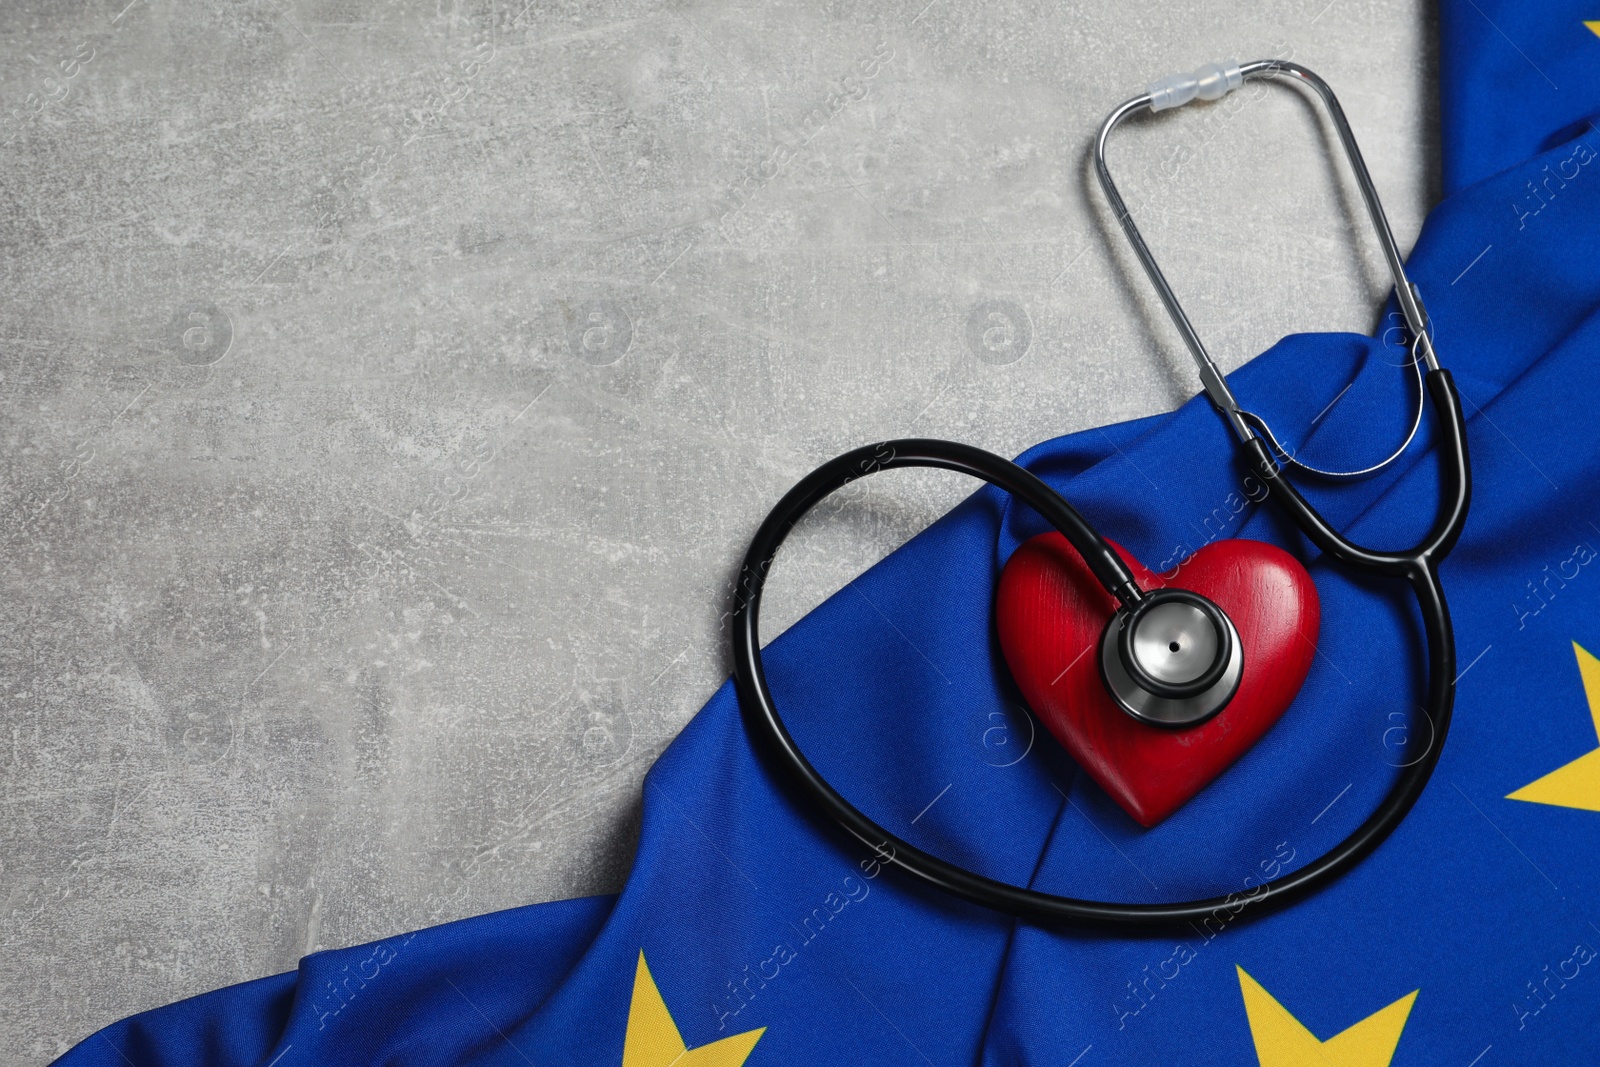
point(388, 392)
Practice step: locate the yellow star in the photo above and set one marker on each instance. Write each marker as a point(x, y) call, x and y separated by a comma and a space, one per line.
point(1282, 1042)
point(1595, 26)
point(653, 1039)
point(1576, 785)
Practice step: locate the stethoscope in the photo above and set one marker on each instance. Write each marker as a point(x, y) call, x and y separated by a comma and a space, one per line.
point(1147, 681)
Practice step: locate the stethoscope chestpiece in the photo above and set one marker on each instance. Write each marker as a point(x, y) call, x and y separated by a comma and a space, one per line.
point(1173, 660)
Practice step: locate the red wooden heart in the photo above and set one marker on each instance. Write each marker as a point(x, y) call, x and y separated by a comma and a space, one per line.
point(1051, 613)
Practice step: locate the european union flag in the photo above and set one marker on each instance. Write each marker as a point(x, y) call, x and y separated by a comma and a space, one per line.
point(750, 932)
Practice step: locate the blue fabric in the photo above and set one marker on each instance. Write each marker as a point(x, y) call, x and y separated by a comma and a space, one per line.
point(752, 915)
point(1516, 79)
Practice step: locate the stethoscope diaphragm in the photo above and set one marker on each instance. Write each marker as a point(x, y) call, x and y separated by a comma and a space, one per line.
point(1175, 660)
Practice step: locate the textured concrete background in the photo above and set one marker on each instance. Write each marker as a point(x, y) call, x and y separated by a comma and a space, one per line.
point(388, 390)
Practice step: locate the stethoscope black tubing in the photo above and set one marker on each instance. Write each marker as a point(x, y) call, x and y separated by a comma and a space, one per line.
point(1020, 482)
point(1419, 566)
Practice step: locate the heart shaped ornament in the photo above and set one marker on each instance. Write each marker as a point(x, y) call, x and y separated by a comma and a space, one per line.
point(1051, 614)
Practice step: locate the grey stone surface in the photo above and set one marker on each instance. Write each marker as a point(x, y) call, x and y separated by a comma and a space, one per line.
point(388, 390)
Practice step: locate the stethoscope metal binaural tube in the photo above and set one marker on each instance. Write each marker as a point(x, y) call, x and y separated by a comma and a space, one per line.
point(1227, 78)
point(1418, 565)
